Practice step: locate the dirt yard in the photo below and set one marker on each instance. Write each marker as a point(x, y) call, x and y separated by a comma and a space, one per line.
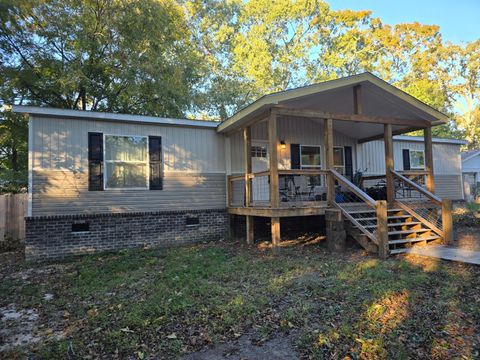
point(467, 226)
point(225, 300)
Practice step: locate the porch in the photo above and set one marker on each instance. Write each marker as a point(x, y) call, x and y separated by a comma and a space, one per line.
point(309, 156)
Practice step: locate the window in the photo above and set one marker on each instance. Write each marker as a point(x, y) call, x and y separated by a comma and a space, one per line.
point(417, 159)
point(259, 151)
point(339, 159)
point(126, 162)
point(310, 157)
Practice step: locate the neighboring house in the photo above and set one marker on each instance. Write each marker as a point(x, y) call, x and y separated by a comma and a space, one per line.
point(101, 181)
point(471, 174)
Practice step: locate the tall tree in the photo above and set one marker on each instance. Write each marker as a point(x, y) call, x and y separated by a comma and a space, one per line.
point(132, 56)
point(466, 89)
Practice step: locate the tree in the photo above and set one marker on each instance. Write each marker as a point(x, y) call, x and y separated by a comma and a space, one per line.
point(96, 54)
point(466, 89)
point(213, 25)
point(13, 152)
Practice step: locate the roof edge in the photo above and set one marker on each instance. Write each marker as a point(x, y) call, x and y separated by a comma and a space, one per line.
point(435, 139)
point(472, 156)
point(97, 115)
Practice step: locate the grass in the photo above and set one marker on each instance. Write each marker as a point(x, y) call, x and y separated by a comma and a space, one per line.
point(165, 303)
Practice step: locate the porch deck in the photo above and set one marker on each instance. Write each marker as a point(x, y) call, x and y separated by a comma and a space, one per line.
point(284, 210)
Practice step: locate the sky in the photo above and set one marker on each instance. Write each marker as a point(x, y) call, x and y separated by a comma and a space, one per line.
point(459, 20)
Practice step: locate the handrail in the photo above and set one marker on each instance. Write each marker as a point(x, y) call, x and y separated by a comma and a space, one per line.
point(413, 172)
point(258, 174)
point(417, 187)
point(353, 188)
point(302, 172)
point(373, 177)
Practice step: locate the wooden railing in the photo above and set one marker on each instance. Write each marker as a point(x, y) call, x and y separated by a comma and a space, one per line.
point(353, 188)
point(297, 187)
point(352, 200)
point(236, 190)
point(431, 210)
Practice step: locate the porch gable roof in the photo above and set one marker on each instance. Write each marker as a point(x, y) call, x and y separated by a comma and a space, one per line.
point(379, 99)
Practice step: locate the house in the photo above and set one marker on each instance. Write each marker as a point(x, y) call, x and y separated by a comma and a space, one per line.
point(409, 155)
point(471, 174)
point(100, 181)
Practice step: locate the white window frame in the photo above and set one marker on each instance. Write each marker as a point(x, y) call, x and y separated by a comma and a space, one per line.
point(311, 166)
point(256, 146)
point(343, 156)
point(410, 155)
point(147, 185)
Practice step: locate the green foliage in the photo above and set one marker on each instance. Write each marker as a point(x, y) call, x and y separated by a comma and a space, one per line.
point(13, 152)
point(130, 56)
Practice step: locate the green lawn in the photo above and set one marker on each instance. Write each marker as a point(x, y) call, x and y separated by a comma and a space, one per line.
point(167, 303)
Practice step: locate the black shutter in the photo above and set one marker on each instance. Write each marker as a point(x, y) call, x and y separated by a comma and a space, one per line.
point(348, 162)
point(95, 161)
point(155, 154)
point(406, 159)
point(295, 156)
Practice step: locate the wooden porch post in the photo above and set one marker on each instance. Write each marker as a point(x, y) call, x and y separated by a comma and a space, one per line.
point(247, 140)
point(427, 135)
point(389, 163)
point(328, 140)
point(382, 229)
point(273, 145)
point(274, 187)
point(447, 222)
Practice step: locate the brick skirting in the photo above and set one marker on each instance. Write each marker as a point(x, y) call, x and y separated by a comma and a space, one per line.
point(54, 237)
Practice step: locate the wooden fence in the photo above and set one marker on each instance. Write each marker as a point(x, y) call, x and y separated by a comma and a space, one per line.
point(13, 209)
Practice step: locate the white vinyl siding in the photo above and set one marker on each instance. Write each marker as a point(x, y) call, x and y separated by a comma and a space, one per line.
point(292, 130)
point(193, 163)
point(446, 163)
point(61, 144)
point(371, 157)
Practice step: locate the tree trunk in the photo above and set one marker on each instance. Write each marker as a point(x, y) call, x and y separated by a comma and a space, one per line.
point(84, 99)
point(14, 158)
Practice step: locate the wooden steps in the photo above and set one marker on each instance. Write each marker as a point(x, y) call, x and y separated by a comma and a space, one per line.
point(404, 230)
point(371, 211)
point(410, 231)
point(389, 218)
point(395, 224)
point(413, 240)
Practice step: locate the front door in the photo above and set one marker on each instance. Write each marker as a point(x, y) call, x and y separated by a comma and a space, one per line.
point(260, 185)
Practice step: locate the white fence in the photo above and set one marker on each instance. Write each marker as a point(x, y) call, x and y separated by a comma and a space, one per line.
point(13, 209)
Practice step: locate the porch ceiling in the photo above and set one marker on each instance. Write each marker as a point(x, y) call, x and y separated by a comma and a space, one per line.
point(361, 131)
point(378, 99)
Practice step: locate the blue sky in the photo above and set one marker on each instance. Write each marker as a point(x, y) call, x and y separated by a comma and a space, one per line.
point(459, 20)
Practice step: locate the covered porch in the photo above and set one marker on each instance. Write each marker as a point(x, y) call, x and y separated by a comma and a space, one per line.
point(295, 153)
